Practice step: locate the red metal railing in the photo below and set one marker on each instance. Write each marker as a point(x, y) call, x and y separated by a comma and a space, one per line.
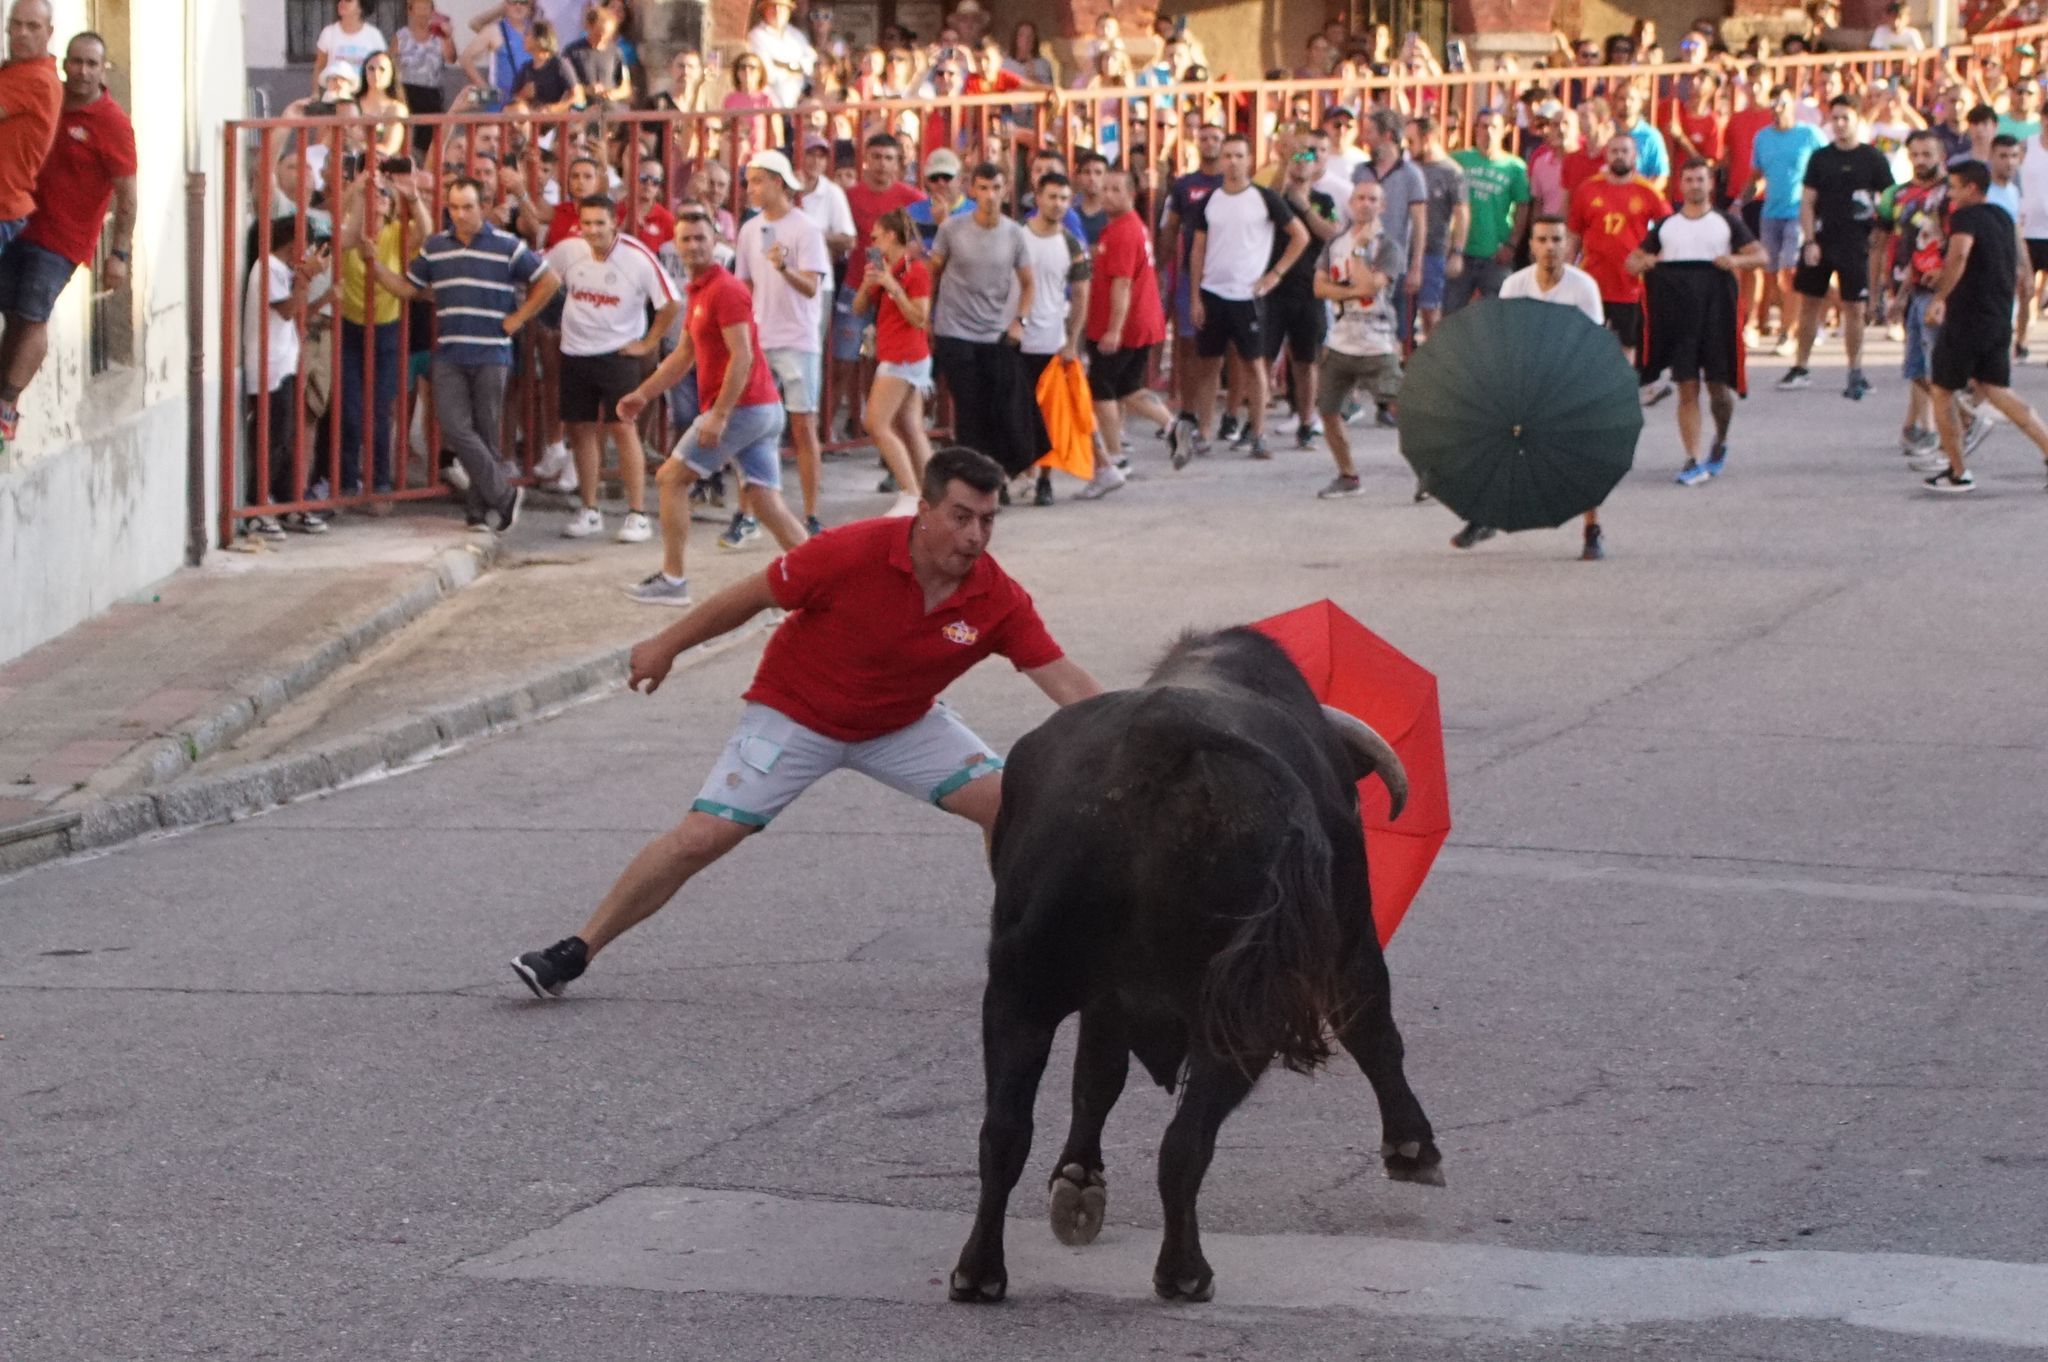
point(284, 158)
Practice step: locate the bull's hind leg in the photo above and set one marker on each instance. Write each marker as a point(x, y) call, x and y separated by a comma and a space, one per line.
point(1407, 1144)
point(1015, 1040)
point(1102, 1060)
point(1214, 1088)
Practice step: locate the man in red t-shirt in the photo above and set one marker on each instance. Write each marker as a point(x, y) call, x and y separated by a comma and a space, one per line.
point(884, 615)
point(739, 419)
point(31, 101)
point(1611, 214)
point(1125, 321)
point(652, 222)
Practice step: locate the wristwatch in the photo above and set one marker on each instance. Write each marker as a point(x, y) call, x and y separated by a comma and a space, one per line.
point(121, 256)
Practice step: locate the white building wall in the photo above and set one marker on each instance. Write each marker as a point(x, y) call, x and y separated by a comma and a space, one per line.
point(93, 495)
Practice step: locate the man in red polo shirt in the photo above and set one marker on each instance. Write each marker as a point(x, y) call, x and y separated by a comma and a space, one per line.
point(884, 615)
point(91, 164)
point(1125, 323)
point(31, 97)
point(740, 418)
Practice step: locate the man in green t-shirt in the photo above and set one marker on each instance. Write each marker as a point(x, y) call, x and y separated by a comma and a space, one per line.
point(1498, 185)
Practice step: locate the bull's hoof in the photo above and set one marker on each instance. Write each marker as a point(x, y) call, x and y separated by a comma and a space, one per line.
point(1194, 1290)
point(1414, 1161)
point(1079, 1199)
point(968, 1289)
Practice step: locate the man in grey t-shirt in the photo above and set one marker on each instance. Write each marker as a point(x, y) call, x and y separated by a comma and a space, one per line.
point(1404, 211)
point(1450, 216)
point(981, 272)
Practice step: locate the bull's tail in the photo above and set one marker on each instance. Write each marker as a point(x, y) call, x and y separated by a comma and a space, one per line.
point(1274, 988)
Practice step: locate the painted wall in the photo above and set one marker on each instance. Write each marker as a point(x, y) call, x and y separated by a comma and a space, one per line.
point(93, 496)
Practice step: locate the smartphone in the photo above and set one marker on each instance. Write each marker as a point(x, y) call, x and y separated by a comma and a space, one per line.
point(767, 237)
point(876, 260)
point(396, 165)
point(1454, 55)
point(351, 164)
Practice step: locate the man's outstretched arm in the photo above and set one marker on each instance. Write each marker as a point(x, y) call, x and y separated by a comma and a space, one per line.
point(722, 614)
point(1065, 681)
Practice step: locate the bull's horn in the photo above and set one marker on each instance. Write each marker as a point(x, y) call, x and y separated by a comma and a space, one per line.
point(1372, 753)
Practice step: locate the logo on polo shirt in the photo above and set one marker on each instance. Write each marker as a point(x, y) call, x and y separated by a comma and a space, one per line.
point(961, 632)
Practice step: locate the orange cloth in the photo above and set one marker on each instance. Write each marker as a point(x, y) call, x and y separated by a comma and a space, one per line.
point(32, 96)
point(1069, 414)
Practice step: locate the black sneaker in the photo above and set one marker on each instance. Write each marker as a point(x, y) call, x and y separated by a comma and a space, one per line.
point(1305, 434)
point(1226, 429)
point(1795, 378)
point(1042, 496)
point(1858, 385)
point(1385, 419)
point(1256, 449)
point(1947, 481)
point(1180, 440)
point(545, 972)
point(1421, 493)
point(508, 514)
point(812, 527)
point(1472, 534)
point(887, 484)
point(1595, 550)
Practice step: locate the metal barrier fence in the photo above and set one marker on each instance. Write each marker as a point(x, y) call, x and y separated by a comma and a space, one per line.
point(297, 167)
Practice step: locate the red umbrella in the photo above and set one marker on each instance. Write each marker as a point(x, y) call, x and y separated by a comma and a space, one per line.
point(1349, 666)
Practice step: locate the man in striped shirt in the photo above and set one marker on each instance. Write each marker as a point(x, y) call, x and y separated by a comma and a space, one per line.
point(474, 273)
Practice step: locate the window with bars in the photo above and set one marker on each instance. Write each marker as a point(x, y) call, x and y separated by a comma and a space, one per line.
point(111, 327)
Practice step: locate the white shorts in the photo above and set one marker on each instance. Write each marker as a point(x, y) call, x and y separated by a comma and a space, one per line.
point(799, 374)
point(771, 759)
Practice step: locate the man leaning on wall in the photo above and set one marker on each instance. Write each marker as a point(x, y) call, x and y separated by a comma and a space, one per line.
point(30, 98)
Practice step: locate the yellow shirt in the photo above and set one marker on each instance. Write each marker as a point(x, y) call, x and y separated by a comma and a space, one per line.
point(391, 254)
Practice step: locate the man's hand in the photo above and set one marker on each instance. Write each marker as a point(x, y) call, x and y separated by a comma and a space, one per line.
point(1936, 311)
point(115, 274)
point(1725, 262)
point(1195, 311)
point(710, 429)
point(1114, 341)
point(511, 324)
point(631, 405)
point(644, 346)
point(1454, 264)
point(1414, 283)
point(651, 660)
point(1810, 253)
point(1067, 351)
point(1267, 282)
point(1015, 331)
point(778, 256)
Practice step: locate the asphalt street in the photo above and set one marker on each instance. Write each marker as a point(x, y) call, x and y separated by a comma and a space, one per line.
point(1724, 998)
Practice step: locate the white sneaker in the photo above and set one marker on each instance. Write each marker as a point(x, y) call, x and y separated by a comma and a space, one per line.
point(1106, 480)
point(456, 476)
point(566, 483)
point(634, 529)
point(553, 460)
point(586, 523)
point(1656, 390)
point(906, 504)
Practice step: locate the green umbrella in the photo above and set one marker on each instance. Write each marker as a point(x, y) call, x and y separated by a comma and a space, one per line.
point(1520, 414)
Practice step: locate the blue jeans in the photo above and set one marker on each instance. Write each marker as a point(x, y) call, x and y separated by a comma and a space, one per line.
point(389, 365)
point(1919, 361)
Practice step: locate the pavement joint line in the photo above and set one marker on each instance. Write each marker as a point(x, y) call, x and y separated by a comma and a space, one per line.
point(389, 748)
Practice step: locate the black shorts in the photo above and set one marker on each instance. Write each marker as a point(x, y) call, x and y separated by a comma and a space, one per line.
point(1112, 378)
point(1753, 218)
point(1625, 320)
point(1846, 261)
point(593, 384)
point(1296, 321)
point(1962, 353)
point(1229, 323)
point(2037, 254)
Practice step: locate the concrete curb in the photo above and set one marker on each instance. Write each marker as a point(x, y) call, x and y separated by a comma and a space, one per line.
point(415, 737)
point(119, 803)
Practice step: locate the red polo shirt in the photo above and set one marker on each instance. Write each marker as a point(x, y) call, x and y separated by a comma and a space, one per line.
point(95, 146)
point(33, 94)
point(860, 656)
point(1125, 252)
point(657, 228)
point(717, 300)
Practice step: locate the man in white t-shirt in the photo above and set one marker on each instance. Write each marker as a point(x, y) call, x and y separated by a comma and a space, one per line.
point(1359, 277)
point(1061, 269)
point(782, 257)
point(824, 203)
point(609, 281)
point(1688, 263)
point(1246, 237)
point(1549, 279)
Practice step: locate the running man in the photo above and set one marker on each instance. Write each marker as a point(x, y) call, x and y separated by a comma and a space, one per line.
point(1693, 298)
point(1837, 209)
point(1549, 279)
point(741, 417)
point(883, 616)
point(1973, 307)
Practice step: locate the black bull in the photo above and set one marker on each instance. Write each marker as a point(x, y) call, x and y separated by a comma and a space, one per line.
point(1181, 864)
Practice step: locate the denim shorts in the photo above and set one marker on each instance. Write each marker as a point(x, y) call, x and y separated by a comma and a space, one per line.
point(800, 374)
point(753, 440)
point(847, 326)
point(917, 374)
point(31, 278)
point(1919, 361)
point(1782, 239)
point(771, 759)
point(1431, 294)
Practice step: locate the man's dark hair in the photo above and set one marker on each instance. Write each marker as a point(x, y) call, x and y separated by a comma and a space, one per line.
point(987, 170)
point(1778, 92)
point(882, 139)
point(1983, 113)
point(1696, 163)
point(469, 182)
point(1053, 177)
point(88, 36)
point(1230, 137)
point(2004, 139)
point(1090, 158)
point(1922, 135)
point(1423, 124)
point(958, 463)
point(1972, 172)
point(285, 230)
point(1843, 102)
point(1555, 219)
point(597, 201)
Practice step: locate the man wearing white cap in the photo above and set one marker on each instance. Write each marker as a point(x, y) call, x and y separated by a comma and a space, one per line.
point(784, 50)
point(782, 256)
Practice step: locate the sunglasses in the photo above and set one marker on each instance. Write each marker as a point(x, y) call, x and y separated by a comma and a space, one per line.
point(947, 178)
point(1308, 154)
point(649, 179)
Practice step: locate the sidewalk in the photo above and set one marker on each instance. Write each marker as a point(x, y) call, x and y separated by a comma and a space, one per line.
point(262, 677)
